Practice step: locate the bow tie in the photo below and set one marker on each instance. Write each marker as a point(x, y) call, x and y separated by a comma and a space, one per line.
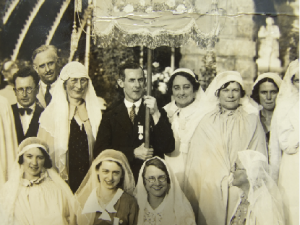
point(22, 111)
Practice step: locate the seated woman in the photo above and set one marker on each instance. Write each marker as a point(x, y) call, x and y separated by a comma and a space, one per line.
point(159, 196)
point(284, 142)
point(104, 196)
point(258, 200)
point(264, 92)
point(184, 113)
point(35, 194)
point(230, 125)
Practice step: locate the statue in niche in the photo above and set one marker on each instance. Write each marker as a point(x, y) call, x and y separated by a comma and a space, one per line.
point(269, 47)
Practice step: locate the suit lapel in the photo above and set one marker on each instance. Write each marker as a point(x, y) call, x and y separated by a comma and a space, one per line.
point(41, 98)
point(18, 124)
point(122, 117)
point(34, 123)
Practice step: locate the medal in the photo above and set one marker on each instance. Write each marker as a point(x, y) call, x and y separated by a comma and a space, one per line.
point(140, 132)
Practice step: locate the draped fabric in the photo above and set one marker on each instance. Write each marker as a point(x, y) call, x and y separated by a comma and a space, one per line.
point(157, 23)
point(175, 208)
point(91, 182)
point(46, 200)
point(284, 141)
point(56, 130)
point(8, 140)
point(264, 197)
point(214, 146)
point(184, 122)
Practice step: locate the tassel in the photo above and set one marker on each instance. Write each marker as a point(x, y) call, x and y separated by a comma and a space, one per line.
point(78, 5)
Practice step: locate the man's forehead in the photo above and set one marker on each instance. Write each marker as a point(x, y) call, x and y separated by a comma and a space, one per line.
point(45, 57)
point(21, 81)
point(133, 73)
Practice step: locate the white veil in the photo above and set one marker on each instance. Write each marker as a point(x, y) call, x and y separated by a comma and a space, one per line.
point(287, 98)
point(177, 208)
point(55, 118)
point(264, 196)
point(90, 182)
point(9, 192)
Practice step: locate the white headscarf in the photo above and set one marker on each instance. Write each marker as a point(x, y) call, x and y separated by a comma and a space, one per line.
point(264, 197)
point(177, 209)
point(91, 181)
point(9, 193)
point(212, 100)
point(274, 76)
point(55, 118)
point(287, 98)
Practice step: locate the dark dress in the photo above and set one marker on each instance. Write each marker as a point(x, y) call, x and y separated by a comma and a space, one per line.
point(78, 155)
point(127, 212)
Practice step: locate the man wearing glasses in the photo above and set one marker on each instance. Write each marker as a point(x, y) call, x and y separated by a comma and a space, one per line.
point(26, 111)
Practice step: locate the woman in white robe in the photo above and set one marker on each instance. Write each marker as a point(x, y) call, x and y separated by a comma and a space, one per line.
point(159, 196)
point(184, 113)
point(35, 194)
point(284, 142)
point(231, 124)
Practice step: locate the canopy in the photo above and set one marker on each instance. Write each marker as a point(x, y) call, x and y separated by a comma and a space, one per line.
point(154, 23)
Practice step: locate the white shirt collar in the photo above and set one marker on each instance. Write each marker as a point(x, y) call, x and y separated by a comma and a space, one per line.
point(31, 107)
point(129, 104)
point(92, 205)
point(44, 86)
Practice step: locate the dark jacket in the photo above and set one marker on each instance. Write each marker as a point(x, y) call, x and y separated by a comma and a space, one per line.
point(33, 126)
point(117, 132)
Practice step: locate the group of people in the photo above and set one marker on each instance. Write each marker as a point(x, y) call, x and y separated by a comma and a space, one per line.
point(215, 157)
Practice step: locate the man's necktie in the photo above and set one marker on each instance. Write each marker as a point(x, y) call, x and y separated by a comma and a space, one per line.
point(23, 110)
point(132, 113)
point(48, 96)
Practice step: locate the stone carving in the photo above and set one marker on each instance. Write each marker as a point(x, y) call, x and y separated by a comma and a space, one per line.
point(269, 48)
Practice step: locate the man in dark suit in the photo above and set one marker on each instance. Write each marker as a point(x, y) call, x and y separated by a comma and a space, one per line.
point(123, 128)
point(26, 111)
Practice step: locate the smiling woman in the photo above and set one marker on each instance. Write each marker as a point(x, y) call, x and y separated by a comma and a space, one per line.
point(159, 196)
point(230, 125)
point(34, 189)
point(104, 196)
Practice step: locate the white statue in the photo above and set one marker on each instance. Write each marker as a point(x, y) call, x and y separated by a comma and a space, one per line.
point(269, 47)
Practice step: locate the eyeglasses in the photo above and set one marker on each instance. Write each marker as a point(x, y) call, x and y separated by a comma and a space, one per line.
point(82, 80)
point(161, 179)
point(22, 90)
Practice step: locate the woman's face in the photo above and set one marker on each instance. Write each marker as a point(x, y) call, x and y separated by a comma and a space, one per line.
point(239, 174)
point(296, 80)
point(183, 91)
point(110, 174)
point(33, 163)
point(155, 181)
point(230, 96)
point(77, 87)
point(267, 95)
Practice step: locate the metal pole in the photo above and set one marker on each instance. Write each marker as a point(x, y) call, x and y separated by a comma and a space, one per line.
point(88, 39)
point(149, 87)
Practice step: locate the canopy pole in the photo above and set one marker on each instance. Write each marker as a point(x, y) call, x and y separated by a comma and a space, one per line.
point(173, 58)
point(149, 87)
point(88, 39)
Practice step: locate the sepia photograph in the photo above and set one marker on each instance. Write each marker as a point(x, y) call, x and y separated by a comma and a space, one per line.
point(149, 112)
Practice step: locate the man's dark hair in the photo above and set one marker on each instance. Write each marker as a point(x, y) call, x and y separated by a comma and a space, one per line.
point(47, 164)
point(188, 76)
point(255, 91)
point(129, 65)
point(27, 72)
point(217, 93)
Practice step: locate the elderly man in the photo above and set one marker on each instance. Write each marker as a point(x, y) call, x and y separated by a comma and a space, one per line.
point(45, 63)
point(9, 68)
point(26, 111)
point(70, 123)
point(123, 127)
